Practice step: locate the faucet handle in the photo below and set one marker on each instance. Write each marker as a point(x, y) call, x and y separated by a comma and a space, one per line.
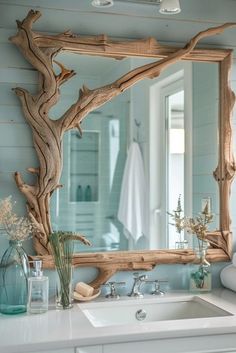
point(112, 285)
point(141, 277)
point(157, 290)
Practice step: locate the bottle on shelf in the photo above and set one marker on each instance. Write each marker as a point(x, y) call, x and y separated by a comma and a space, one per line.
point(79, 193)
point(37, 290)
point(88, 193)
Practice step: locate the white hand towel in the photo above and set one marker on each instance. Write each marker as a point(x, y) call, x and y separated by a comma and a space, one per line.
point(227, 276)
point(132, 211)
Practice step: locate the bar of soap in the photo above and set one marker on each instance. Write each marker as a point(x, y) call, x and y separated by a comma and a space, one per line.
point(84, 289)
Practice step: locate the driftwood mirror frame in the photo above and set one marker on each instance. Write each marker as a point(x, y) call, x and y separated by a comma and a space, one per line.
point(40, 49)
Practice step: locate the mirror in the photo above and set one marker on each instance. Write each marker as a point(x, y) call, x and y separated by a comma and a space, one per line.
point(93, 167)
point(40, 50)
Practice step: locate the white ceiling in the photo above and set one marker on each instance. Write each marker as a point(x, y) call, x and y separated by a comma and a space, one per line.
point(126, 19)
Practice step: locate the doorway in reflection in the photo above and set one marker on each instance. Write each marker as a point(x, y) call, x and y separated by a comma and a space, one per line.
point(170, 153)
point(173, 102)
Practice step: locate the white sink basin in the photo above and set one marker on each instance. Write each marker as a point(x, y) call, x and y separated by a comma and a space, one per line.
point(141, 310)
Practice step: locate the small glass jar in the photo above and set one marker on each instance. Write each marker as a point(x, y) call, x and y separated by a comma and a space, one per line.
point(200, 272)
point(181, 244)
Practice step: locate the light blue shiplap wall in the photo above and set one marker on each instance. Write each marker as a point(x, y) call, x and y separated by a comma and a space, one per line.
point(205, 136)
point(16, 149)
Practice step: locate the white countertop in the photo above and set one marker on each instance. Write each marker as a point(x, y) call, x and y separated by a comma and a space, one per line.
point(70, 328)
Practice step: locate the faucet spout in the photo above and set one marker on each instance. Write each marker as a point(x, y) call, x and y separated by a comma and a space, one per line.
point(138, 281)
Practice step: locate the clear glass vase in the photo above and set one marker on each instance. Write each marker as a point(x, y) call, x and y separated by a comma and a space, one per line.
point(200, 273)
point(14, 272)
point(183, 244)
point(64, 298)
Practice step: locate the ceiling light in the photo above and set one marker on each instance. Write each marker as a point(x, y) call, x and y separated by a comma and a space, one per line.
point(169, 7)
point(102, 3)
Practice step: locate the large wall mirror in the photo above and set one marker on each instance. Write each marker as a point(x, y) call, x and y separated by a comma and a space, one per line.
point(177, 110)
point(155, 114)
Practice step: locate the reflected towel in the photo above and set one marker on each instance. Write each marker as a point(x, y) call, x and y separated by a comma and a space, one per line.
point(234, 259)
point(132, 212)
point(227, 276)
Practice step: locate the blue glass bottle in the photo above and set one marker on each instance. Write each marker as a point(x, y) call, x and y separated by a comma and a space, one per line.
point(14, 272)
point(88, 193)
point(79, 193)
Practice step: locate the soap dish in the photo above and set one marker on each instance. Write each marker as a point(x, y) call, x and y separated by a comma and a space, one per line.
point(81, 298)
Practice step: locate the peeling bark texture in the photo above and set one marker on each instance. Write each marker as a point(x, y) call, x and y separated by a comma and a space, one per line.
point(40, 50)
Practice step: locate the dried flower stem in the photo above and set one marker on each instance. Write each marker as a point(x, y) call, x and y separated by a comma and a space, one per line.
point(178, 218)
point(17, 228)
point(195, 225)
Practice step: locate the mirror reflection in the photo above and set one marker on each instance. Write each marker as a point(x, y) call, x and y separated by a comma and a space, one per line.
point(137, 154)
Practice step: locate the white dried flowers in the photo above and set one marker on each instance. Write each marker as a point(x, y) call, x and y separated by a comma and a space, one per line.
point(178, 217)
point(199, 224)
point(194, 225)
point(17, 228)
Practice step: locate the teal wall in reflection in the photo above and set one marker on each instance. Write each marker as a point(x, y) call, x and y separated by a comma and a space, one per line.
point(94, 164)
point(205, 137)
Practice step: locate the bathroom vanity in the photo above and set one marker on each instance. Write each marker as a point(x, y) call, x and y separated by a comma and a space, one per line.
point(177, 322)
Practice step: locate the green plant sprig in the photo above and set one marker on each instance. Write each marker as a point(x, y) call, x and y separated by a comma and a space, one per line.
point(62, 246)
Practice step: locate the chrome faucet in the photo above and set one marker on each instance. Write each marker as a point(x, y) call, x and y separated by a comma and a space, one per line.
point(112, 286)
point(157, 283)
point(138, 281)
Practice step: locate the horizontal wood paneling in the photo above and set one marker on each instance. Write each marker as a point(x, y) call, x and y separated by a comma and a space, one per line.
point(10, 57)
point(5, 34)
point(17, 158)
point(18, 76)
point(8, 187)
point(17, 135)
point(8, 97)
point(11, 114)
